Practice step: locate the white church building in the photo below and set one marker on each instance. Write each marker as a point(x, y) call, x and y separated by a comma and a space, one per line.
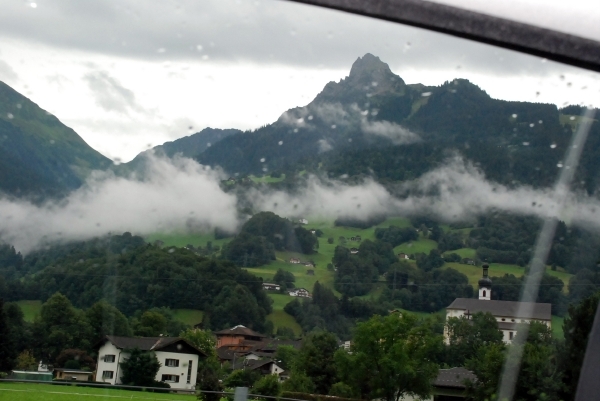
point(507, 313)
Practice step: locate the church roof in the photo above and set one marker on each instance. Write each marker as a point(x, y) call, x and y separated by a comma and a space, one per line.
point(540, 311)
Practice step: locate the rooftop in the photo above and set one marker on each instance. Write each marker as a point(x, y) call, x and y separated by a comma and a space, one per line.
point(454, 377)
point(239, 330)
point(540, 311)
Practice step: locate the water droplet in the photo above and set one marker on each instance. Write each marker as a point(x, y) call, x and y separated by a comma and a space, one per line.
point(117, 161)
point(33, 5)
point(374, 83)
point(543, 60)
point(525, 143)
point(295, 130)
point(553, 146)
point(171, 250)
point(425, 94)
point(9, 115)
point(514, 116)
point(333, 126)
point(264, 169)
point(569, 84)
point(199, 48)
point(209, 144)
point(349, 139)
point(561, 76)
point(572, 118)
point(161, 50)
point(559, 165)
point(262, 159)
point(540, 121)
point(280, 143)
point(310, 117)
point(19, 105)
point(52, 141)
point(532, 125)
point(329, 35)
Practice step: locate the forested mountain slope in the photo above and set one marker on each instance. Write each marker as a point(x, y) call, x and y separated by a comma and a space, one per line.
point(372, 123)
point(39, 155)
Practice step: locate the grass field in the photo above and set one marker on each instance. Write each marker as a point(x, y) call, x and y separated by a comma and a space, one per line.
point(30, 309)
point(557, 327)
point(423, 245)
point(182, 239)
point(267, 179)
point(188, 316)
point(49, 392)
point(468, 253)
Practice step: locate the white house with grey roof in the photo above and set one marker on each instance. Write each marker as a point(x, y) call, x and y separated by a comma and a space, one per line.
point(178, 359)
point(507, 313)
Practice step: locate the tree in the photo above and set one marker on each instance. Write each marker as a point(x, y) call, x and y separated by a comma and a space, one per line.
point(140, 368)
point(76, 359)
point(487, 366)
point(466, 336)
point(391, 358)
point(317, 360)
point(287, 355)
point(204, 340)
point(106, 319)
point(576, 328)
point(342, 390)
point(151, 324)
point(284, 278)
point(7, 346)
point(26, 361)
point(242, 378)
point(60, 326)
point(267, 385)
point(299, 382)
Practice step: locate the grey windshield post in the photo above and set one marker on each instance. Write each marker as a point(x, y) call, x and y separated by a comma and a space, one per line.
point(241, 394)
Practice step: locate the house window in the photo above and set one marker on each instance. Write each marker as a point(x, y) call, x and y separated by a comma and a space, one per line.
point(189, 375)
point(503, 319)
point(170, 378)
point(108, 374)
point(172, 363)
point(109, 358)
point(510, 335)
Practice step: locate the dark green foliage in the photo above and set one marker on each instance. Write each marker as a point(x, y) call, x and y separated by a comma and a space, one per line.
point(19, 337)
point(247, 250)
point(431, 261)
point(75, 359)
point(316, 360)
point(284, 278)
point(140, 278)
point(396, 235)
point(467, 336)
point(105, 319)
point(267, 385)
point(242, 378)
point(280, 232)
point(576, 328)
point(508, 288)
point(7, 346)
point(140, 368)
point(60, 326)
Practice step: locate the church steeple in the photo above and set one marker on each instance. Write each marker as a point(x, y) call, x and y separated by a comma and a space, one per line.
point(485, 285)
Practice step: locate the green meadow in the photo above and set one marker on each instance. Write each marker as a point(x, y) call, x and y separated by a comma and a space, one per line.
point(30, 309)
point(52, 392)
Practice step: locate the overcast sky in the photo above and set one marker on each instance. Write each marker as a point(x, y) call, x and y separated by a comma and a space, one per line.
point(126, 76)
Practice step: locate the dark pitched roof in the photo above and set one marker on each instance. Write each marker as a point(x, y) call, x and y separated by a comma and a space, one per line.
point(502, 308)
point(239, 330)
point(251, 364)
point(227, 354)
point(147, 343)
point(454, 377)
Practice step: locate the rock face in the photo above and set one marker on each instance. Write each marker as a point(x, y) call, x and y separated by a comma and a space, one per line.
point(39, 155)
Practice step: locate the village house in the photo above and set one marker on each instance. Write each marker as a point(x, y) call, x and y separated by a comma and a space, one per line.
point(356, 238)
point(271, 287)
point(72, 374)
point(403, 256)
point(300, 292)
point(309, 264)
point(353, 250)
point(507, 313)
point(238, 338)
point(295, 261)
point(178, 359)
point(302, 221)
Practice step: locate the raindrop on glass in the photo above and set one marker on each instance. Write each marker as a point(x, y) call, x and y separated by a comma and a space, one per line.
point(33, 5)
point(532, 125)
point(374, 83)
point(333, 126)
point(559, 165)
point(425, 94)
point(19, 105)
point(540, 122)
point(514, 116)
point(9, 115)
point(525, 143)
point(262, 159)
point(171, 250)
point(553, 146)
point(280, 143)
point(205, 57)
point(310, 117)
point(572, 118)
point(199, 48)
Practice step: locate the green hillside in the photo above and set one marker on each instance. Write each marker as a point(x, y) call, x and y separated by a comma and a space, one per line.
point(38, 154)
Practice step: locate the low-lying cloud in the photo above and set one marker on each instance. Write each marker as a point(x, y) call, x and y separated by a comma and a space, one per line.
point(395, 133)
point(176, 195)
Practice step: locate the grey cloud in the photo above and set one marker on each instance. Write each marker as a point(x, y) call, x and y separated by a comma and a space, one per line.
point(324, 145)
point(110, 94)
point(7, 74)
point(394, 132)
point(275, 32)
point(172, 195)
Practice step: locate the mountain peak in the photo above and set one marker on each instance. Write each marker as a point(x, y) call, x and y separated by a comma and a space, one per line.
point(369, 64)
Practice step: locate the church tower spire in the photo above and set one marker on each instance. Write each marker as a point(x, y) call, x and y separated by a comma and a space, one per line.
point(485, 285)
